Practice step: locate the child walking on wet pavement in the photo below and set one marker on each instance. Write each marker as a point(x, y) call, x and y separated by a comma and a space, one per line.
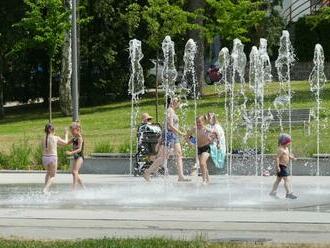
point(282, 161)
point(205, 137)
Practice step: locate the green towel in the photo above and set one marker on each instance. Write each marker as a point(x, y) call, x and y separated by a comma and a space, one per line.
point(218, 156)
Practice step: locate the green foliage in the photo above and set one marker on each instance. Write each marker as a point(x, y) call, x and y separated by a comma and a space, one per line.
point(271, 29)
point(109, 243)
point(104, 42)
point(37, 157)
point(63, 159)
point(24, 156)
point(20, 155)
point(103, 147)
point(44, 24)
point(233, 19)
point(311, 30)
point(320, 18)
point(145, 243)
point(4, 161)
point(161, 18)
point(125, 147)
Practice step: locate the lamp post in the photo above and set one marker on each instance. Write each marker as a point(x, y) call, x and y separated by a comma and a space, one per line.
point(75, 90)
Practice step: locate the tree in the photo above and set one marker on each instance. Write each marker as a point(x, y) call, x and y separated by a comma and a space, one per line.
point(10, 12)
point(66, 71)
point(197, 35)
point(104, 54)
point(45, 24)
point(310, 30)
point(202, 19)
point(160, 18)
point(233, 18)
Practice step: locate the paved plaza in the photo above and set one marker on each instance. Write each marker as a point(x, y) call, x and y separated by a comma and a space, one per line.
point(230, 208)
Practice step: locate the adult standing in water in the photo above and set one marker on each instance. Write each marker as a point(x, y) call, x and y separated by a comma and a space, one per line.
point(172, 140)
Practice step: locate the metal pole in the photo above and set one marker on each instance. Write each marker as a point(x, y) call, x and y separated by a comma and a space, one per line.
point(75, 91)
point(157, 83)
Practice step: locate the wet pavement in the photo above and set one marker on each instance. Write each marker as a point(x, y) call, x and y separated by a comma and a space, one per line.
point(228, 208)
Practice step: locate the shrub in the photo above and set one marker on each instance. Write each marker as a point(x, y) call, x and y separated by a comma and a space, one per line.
point(4, 161)
point(63, 159)
point(37, 158)
point(103, 147)
point(20, 155)
point(126, 147)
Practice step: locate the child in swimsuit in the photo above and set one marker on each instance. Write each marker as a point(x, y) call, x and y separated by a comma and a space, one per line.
point(49, 154)
point(77, 142)
point(204, 138)
point(282, 160)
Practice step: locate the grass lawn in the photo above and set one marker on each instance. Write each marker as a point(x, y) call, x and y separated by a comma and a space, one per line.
point(110, 124)
point(142, 243)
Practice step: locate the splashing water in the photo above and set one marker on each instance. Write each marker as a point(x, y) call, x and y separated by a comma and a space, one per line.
point(238, 64)
point(283, 64)
point(135, 88)
point(169, 75)
point(224, 62)
point(188, 86)
point(256, 85)
point(317, 80)
point(266, 77)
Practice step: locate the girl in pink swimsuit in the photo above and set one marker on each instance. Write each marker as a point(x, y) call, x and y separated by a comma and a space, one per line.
point(49, 154)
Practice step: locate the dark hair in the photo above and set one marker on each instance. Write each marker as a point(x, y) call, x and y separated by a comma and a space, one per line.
point(48, 129)
point(170, 99)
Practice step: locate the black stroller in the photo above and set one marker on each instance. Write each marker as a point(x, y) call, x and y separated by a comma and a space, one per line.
point(148, 138)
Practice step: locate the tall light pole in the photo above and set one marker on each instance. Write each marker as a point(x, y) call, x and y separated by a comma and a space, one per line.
point(75, 90)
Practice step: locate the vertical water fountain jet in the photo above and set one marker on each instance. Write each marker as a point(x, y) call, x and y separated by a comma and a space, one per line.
point(224, 63)
point(265, 77)
point(135, 88)
point(283, 64)
point(188, 84)
point(169, 75)
point(238, 63)
point(317, 80)
point(255, 83)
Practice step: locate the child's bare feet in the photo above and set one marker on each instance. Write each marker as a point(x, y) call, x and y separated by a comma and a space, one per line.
point(146, 176)
point(182, 179)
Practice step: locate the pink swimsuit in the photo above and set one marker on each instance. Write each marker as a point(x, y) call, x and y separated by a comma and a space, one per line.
point(49, 159)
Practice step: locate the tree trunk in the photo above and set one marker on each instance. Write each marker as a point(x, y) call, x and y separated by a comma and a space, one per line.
point(50, 88)
point(65, 83)
point(197, 36)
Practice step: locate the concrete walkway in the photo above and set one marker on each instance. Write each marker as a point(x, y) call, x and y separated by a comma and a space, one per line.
point(122, 206)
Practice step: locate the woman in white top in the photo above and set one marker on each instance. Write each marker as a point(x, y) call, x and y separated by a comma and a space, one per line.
point(49, 153)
